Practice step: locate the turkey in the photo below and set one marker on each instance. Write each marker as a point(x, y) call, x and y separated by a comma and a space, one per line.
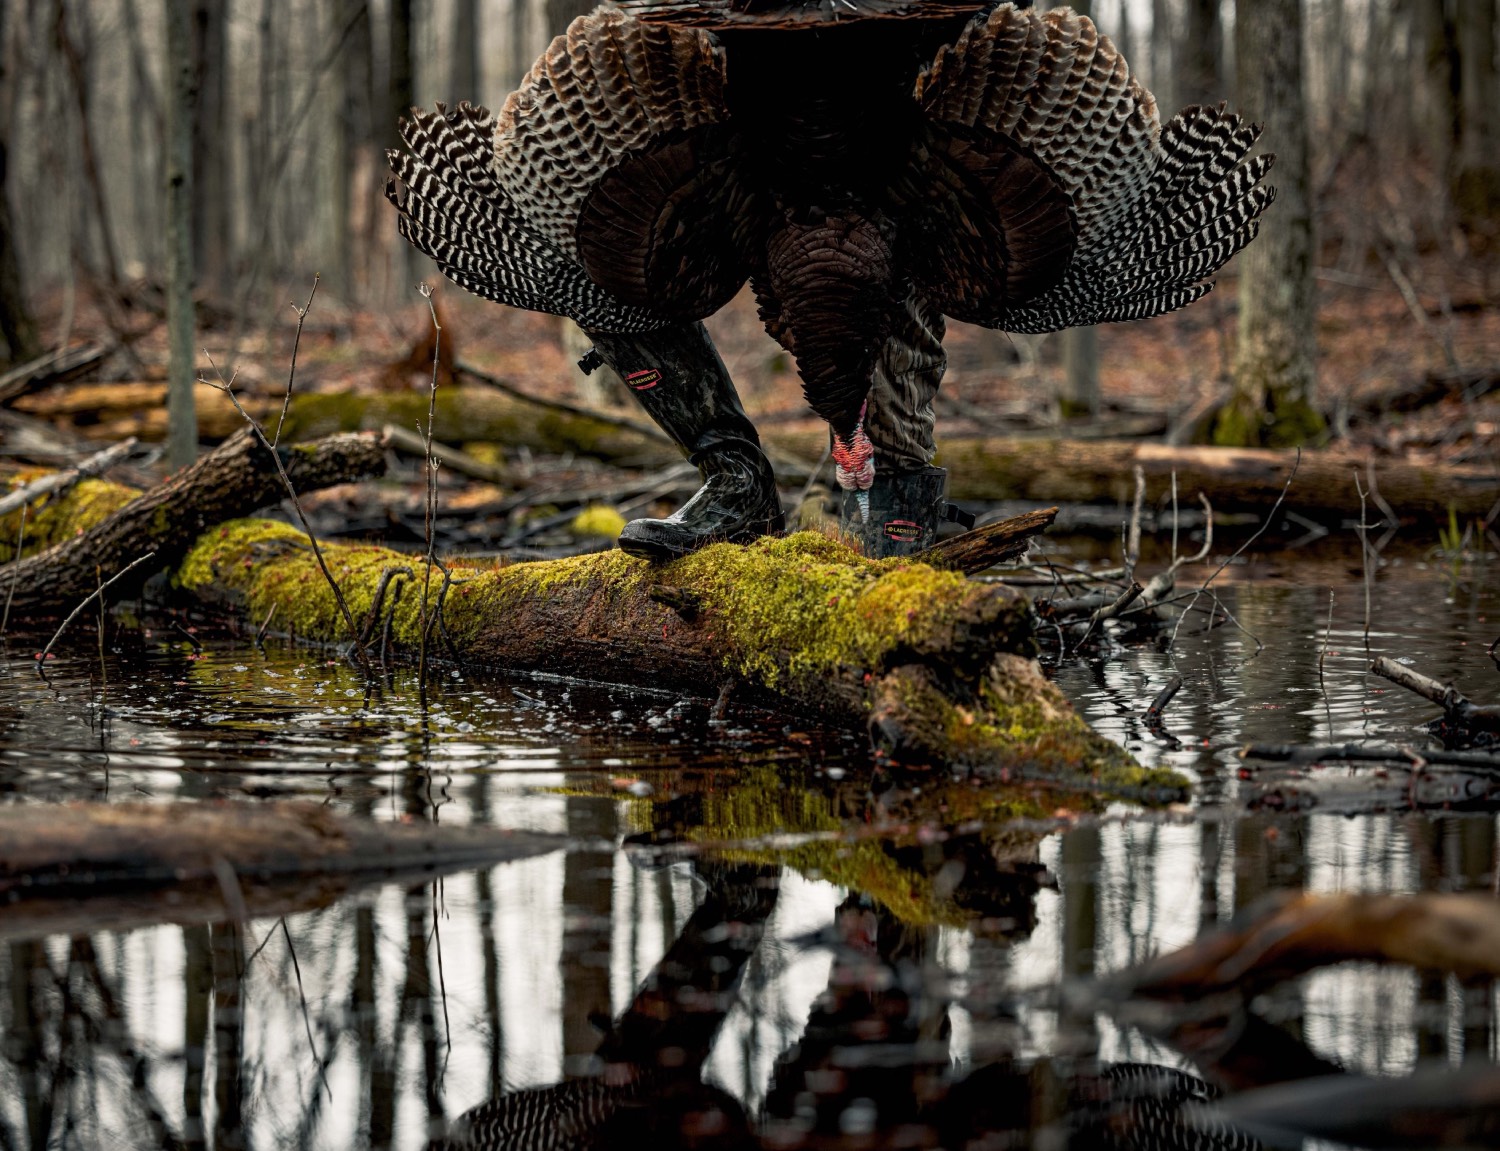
point(870, 167)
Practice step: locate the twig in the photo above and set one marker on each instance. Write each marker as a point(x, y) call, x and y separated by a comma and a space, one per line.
point(453, 458)
point(227, 387)
point(1305, 754)
point(1133, 530)
point(291, 375)
point(16, 574)
point(1260, 531)
point(302, 997)
point(1363, 531)
point(1459, 708)
point(260, 634)
point(429, 465)
point(1163, 698)
point(1155, 721)
point(98, 593)
point(66, 477)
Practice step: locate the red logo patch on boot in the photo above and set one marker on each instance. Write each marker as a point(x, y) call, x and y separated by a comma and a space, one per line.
point(644, 380)
point(902, 531)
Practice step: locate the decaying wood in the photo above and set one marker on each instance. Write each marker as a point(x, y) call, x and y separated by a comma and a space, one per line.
point(53, 482)
point(1286, 935)
point(1102, 471)
point(93, 867)
point(52, 367)
point(984, 547)
point(455, 459)
point(1457, 707)
point(232, 481)
point(938, 667)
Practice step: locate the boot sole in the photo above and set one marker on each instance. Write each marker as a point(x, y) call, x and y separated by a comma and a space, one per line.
point(658, 552)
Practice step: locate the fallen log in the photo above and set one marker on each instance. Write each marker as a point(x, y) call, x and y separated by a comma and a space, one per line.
point(99, 528)
point(980, 468)
point(1102, 471)
point(1283, 936)
point(91, 867)
point(935, 666)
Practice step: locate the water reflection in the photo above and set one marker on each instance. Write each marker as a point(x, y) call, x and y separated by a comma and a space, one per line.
point(750, 941)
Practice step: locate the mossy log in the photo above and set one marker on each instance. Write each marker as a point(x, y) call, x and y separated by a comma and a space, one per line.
point(935, 666)
point(73, 543)
point(91, 867)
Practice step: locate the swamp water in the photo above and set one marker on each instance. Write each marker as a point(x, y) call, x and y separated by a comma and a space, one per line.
point(834, 963)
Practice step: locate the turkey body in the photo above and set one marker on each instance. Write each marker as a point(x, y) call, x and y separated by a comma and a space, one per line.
point(868, 166)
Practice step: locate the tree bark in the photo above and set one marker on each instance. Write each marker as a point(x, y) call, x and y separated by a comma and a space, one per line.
point(1476, 189)
point(16, 325)
point(1201, 69)
point(233, 480)
point(1275, 372)
point(468, 68)
point(212, 256)
point(182, 436)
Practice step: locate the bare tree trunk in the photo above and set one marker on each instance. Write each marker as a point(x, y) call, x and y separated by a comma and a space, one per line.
point(1201, 68)
point(1275, 363)
point(16, 324)
point(1162, 56)
point(402, 89)
point(1441, 89)
point(78, 71)
point(468, 73)
point(212, 258)
point(182, 433)
point(520, 58)
point(1476, 187)
point(1080, 394)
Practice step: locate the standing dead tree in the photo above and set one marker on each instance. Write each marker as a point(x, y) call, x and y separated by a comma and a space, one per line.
point(1274, 369)
point(182, 99)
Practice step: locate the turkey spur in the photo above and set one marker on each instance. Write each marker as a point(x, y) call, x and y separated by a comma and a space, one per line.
point(870, 167)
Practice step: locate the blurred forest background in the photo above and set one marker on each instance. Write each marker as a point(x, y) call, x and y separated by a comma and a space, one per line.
point(1370, 295)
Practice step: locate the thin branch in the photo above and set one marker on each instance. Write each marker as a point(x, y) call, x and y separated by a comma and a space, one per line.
point(302, 998)
point(97, 593)
point(291, 375)
point(227, 387)
point(1260, 531)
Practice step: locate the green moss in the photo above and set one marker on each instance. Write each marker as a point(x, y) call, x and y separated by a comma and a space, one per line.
point(598, 520)
point(50, 521)
point(745, 821)
point(815, 598)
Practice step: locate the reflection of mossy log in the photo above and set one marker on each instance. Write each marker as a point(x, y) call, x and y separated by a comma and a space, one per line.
point(800, 624)
point(97, 528)
point(893, 843)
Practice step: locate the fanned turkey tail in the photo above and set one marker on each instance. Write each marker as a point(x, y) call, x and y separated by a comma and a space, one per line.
point(1063, 200)
point(451, 207)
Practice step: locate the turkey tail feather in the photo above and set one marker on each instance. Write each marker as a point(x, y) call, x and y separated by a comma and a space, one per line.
point(1153, 210)
point(451, 207)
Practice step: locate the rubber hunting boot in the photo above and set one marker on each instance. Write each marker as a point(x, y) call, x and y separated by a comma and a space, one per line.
point(906, 509)
point(683, 385)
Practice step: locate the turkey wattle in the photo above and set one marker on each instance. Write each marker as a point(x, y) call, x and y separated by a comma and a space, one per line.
point(870, 167)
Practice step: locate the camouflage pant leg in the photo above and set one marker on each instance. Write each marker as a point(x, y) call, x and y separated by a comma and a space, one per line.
point(900, 418)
